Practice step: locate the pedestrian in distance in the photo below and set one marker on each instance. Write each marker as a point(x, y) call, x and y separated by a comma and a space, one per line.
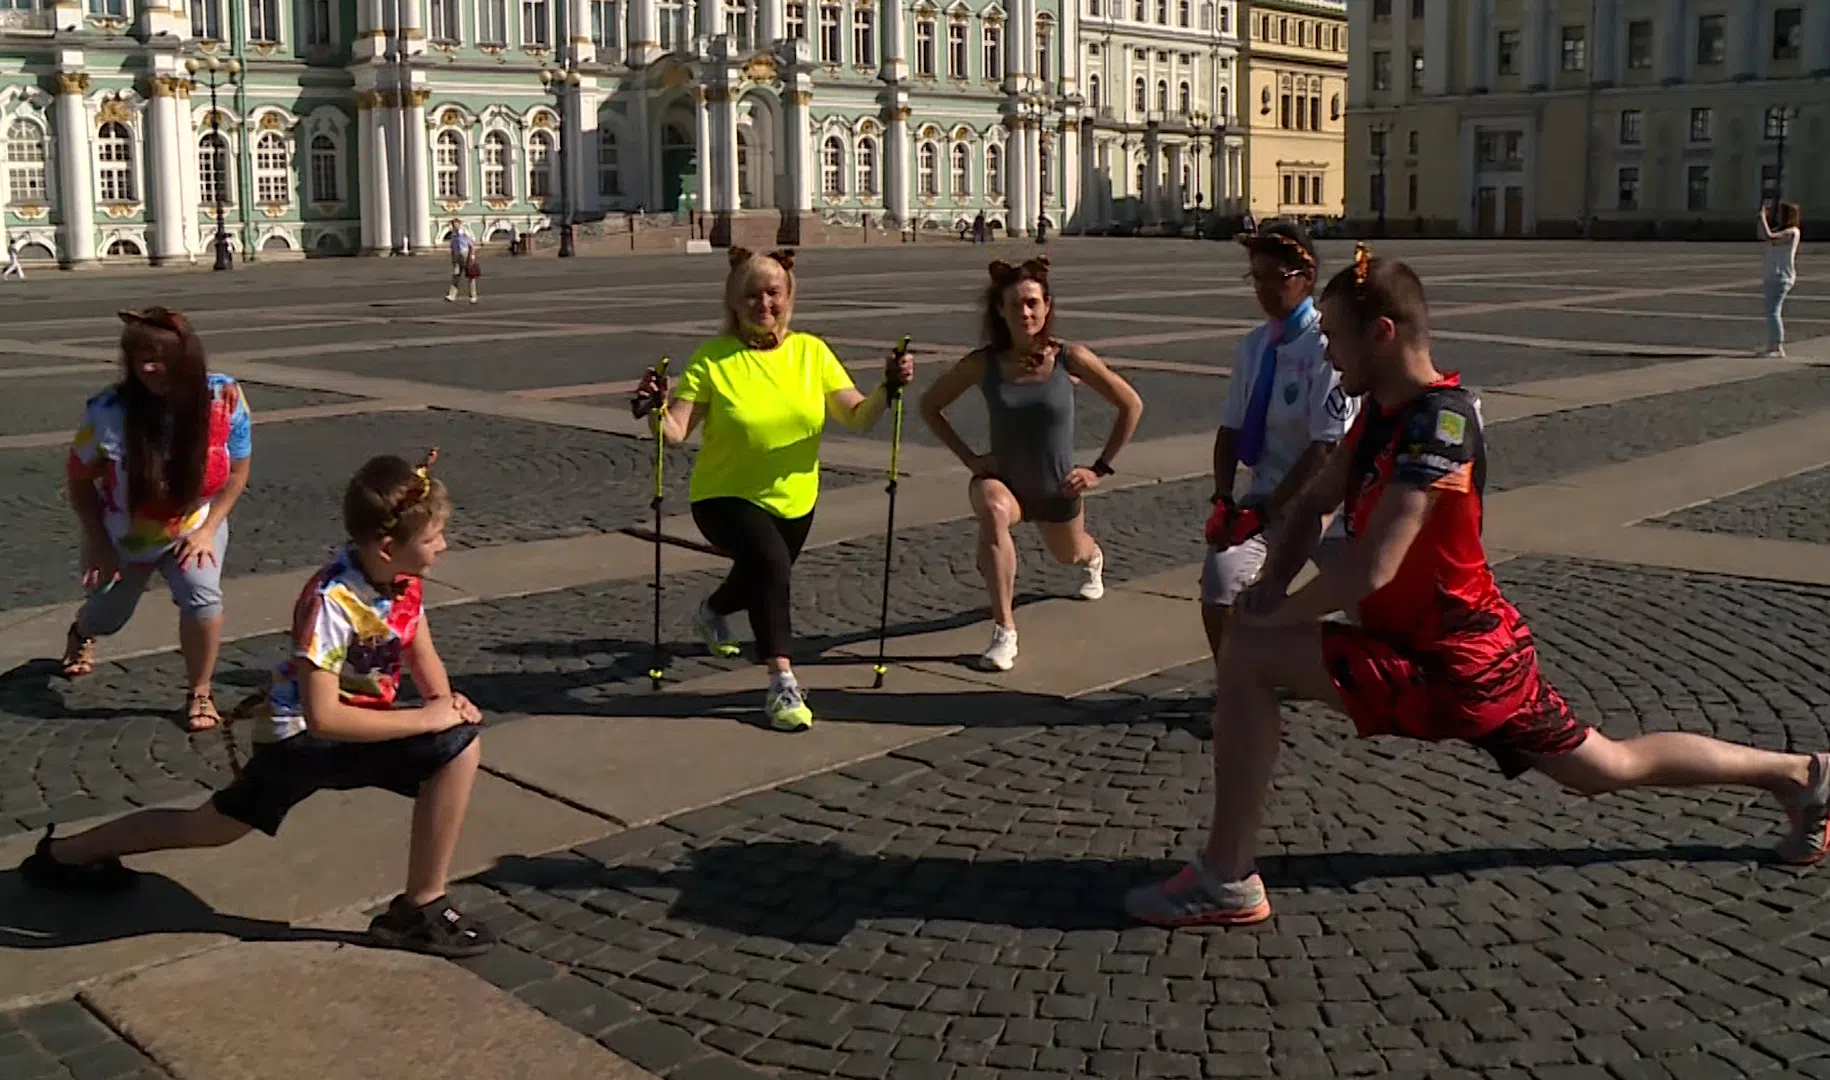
point(464, 266)
point(154, 471)
point(13, 269)
point(761, 394)
point(1284, 415)
point(1437, 652)
point(1781, 271)
point(331, 721)
point(1027, 377)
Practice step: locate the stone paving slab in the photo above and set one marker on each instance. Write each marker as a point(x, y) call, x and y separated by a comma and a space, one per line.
point(1795, 509)
point(65, 1041)
point(335, 850)
point(320, 1011)
point(1714, 553)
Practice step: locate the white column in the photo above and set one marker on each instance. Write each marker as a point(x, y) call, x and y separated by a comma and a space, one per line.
point(1067, 44)
point(1816, 30)
point(578, 16)
point(797, 142)
point(586, 97)
point(1401, 51)
point(191, 188)
point(709, 193)
point(164, 179)
point(896, 164)
point(368, 194)
point(711, 19)
point(1238, 184)
point(368, 18)
point(895, 67)
point(412, 32)
point(75, 179)
point(724, 147)
point(1477, 44)
point(1438, 52)
point(381, 137)
point(1673, 30)
point(643, 39)
point(770, 16)
point(1016, 178)
point(1032, 141)
point(419, 185)
point(1745, 55)
point(1153, 192)
point(1536, 44)
point(1067, 147)
point(1465, 211)
point(1359, 56)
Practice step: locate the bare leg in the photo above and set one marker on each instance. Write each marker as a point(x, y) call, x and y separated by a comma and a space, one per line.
point(200, 640)
point(438, 817)
point(149, 830)
point(997, 513)
point(1214, 618)
point(1674, 759)
point(1069, 542)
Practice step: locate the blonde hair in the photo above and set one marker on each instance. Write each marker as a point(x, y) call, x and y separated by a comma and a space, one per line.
point(746, 268)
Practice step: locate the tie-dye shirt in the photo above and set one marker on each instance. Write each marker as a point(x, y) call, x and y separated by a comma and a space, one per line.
point(344, 625)
point(98, 456)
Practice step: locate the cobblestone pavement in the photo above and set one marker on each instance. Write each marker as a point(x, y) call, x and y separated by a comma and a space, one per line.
point(1796, 508)
point(55, 402)
point(952, 910)
point(65, 1041)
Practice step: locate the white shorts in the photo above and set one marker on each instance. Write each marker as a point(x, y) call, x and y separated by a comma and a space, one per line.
point(1226, 572)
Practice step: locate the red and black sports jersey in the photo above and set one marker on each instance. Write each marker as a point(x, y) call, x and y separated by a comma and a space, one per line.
point(1444, 588)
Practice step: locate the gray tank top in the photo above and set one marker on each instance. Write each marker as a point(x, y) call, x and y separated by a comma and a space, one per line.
point(1032, 428)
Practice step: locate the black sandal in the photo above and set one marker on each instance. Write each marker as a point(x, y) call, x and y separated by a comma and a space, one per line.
point(437, 929)
point(100, 878)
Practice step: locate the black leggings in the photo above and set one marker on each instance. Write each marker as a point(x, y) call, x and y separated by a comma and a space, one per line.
point(762, 548)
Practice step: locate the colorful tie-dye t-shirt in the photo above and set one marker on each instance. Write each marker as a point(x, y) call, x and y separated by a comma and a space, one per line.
point(344, 625)
point(98, 456)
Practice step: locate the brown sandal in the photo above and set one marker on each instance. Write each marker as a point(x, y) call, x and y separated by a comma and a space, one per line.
point(200, 713)
point(79, 654)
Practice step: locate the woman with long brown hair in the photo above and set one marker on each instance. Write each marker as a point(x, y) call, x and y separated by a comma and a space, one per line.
point(1781, 271)
point(154, 470)
point(1027, 375)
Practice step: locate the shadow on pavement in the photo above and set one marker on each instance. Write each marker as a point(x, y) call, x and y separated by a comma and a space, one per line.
point(31, 689)
point(818, 893)
point(33, 919)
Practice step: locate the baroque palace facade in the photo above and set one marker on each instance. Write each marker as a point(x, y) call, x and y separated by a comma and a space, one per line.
point(1626, 117)
point(340, 126)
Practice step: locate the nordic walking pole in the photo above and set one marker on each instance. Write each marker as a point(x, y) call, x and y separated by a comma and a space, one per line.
point(889, 532)
point(656, 666)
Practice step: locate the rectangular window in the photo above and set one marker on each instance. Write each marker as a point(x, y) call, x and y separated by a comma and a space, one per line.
point(1416, 69)
point(1410, 194)
point(1488, 147)
point(317, 23)
point(1045, 67)
point(1777, 122)
point(672, 16)
point(1632, 127)
point(1302, 189)
point(1702, 125)
point(1411, 143)
point(444, 20)
point(1506, 52)
point(796, 22)
point(1696, 189)
point(1290, 187)
point(263, 20)
point(1626, 189)
point(536, 26)
point(325, 180)
point(832, 39)
point(1378, 143)
point(1382, 70)
point(115, 8)
point(924, 48)
point(606, 25)
point(1712, 39)
point(956, 49)
point(1376, 196)
point(1382, 10)
point(994, 53)
point(1639, 44)
point(737, 23)
point(1417, 7)
point(1315, 189)
point(1575, 48)
point(1788, 32)
point(1515, 149)
point(609, 170)
point(864, 37)
point(1284, 119)
point(1302, 113)
point(1769, 183)
point(206, 19)
point(492, 22)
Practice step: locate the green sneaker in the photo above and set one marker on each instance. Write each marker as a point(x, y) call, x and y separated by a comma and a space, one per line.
point(788, 711)
point(715, 632)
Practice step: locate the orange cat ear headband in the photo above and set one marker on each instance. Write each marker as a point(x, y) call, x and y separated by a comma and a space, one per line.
point(1362, 263)
point(422, 487)
point(1003, 273)
point(784, 257)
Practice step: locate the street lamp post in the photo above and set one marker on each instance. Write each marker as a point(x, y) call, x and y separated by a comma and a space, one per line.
point(1379, 133)
point(563, 83)
point(229, 69)
point(1784, 115)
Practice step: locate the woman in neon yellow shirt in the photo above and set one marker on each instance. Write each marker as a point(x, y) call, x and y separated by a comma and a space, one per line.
point(763, 394)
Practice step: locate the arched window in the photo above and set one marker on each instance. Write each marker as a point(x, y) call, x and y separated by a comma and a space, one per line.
point(1137, 95)
point(1162, 95)
point(1139, 190)
point(114, 160)
point(609, 169)
point(994, 171)
point(1334, 108)
point(867, 166)
point(214, 181)
point(1226, 104)
point(1162, 12)
point(272, 169)
point(927, 183)
point(1182, 7)
point(25, 164)
point(448, 165)
point(962, 169)
point(124, 247)
point(1093, 91)
point(832, 166)
point(324, 169)
point(495, 166)
point(1184, 99)
point(540, 166)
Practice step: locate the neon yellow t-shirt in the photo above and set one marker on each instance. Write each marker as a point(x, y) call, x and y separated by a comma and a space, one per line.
point(764, 412)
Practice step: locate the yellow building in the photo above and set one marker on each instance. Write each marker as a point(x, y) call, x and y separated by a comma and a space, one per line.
point(1294, 59)
point(1531, 117)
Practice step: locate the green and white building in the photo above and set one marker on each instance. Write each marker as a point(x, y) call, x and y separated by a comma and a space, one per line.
point(343, 126)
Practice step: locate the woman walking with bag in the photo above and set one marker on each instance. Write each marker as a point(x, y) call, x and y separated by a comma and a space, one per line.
point(1026, 375)
point(156, 467)
point(762, 394)
point(464, 266)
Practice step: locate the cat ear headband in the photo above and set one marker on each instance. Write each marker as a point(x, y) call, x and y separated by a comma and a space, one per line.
point(1362, 263)
point(1003, 273)
point(784, 257)
point(422, 487)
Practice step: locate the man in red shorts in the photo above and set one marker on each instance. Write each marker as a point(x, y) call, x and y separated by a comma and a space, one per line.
point(1437, 653)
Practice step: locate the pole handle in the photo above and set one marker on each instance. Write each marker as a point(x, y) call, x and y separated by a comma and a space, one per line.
point(890, 383)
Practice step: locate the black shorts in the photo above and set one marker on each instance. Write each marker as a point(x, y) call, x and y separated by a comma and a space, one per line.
point(1050, 509)
point(281, 775)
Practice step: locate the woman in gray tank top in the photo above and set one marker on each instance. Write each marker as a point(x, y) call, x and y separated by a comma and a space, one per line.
point(1027, 377)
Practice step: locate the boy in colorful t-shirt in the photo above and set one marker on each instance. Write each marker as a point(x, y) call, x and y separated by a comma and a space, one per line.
point(331, 723)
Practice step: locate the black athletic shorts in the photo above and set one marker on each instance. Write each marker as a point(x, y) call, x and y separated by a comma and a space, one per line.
point(281, 775)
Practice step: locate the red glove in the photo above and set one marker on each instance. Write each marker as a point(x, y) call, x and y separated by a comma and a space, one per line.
point(1231, 525)
point(1247, 523)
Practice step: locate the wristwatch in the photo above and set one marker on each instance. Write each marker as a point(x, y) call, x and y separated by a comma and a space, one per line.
point(1100, 468)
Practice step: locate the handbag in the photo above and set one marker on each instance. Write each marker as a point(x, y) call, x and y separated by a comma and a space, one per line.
point(473, 269)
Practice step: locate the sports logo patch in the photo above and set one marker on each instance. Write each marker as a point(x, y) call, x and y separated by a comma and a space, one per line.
point(1336, 405)
point(1451, 428)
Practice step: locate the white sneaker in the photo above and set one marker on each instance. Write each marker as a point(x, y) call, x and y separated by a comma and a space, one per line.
point(473, 298)
point(451, 297)
point(715, 631)
point(1093, 577)
point(1002, 655)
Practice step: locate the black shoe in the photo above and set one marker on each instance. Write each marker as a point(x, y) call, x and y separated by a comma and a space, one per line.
point(437, 929)
point(102, 877)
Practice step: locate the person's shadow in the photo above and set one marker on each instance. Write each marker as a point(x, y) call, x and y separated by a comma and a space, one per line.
point(32, 918)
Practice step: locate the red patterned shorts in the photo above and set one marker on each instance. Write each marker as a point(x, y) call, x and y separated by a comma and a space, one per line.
point(1484, 689)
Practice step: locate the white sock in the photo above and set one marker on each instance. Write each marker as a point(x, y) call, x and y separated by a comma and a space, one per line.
point(779, 680)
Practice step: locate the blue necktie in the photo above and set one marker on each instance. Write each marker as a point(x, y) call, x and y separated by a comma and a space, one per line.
point(1252, 434)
